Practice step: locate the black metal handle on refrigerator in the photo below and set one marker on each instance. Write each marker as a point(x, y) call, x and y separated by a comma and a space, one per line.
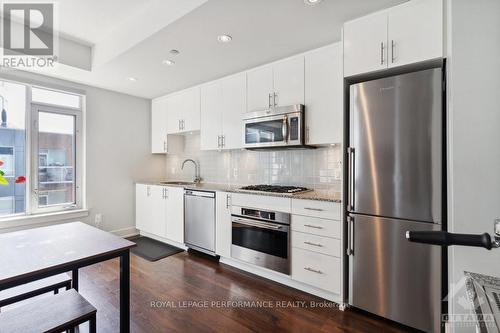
point(444, 238)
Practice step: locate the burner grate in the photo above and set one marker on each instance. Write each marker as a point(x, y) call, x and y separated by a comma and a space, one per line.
point(276, 188)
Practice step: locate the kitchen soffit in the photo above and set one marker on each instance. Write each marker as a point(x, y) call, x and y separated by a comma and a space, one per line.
point(139, 38)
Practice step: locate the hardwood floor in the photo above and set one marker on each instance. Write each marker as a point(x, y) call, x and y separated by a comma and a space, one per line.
point(184, 277)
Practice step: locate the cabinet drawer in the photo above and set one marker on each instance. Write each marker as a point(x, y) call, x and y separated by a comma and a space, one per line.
point(315, 208)
point(316, 226)
point(261, 201)
point(316, 269)
point(325, 245)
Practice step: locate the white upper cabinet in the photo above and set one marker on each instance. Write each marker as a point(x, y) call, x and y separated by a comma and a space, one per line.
point(288, 78)
point(279, 84)
point(408, 33)
point(173, 119)
point(159, 126)
point(211, 116)
point(415, 32)
point(324, 95)
point(365, 44)
point(260, 88)
point(191, 110)
point(184, 111)
point(223, 103)
point(233, 107)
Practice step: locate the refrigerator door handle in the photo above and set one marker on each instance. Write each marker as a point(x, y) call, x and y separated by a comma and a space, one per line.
point(350, 236)
point(350, 204)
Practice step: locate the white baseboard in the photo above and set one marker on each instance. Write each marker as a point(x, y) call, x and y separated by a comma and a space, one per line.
point(125, 232)
point(283, 279)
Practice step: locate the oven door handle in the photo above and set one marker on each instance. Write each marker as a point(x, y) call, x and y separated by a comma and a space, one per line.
point(257, 224)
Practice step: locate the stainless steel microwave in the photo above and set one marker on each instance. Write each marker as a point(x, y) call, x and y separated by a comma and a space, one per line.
point(274, 128)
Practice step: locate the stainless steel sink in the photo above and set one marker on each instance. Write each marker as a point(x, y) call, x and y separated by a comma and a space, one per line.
point(177, 183)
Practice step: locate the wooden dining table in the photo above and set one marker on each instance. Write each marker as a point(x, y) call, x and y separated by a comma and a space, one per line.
point(37, 253)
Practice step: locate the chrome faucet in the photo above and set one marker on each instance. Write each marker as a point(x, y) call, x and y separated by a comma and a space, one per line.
point(197, 177)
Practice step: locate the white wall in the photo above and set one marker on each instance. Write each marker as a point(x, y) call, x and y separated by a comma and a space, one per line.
point(118, 150)
point(474, 133)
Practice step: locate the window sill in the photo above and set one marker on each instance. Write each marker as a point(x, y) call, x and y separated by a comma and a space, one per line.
point(26, 220)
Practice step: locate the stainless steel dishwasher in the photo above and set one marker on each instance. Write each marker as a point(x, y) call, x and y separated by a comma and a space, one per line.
point(199, 220)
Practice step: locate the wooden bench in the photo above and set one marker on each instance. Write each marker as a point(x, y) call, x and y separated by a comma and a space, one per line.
point(32, 289)
point(52, 314)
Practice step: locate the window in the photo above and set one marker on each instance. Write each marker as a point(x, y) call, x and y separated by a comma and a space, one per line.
point(54, 149)
point(52, 97)
point(13, 102)
point(55, 143)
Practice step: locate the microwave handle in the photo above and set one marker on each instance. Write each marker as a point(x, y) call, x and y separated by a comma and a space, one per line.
point(284, 128)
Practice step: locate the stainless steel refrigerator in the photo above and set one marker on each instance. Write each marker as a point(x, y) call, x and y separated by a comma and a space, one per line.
point(395, 184)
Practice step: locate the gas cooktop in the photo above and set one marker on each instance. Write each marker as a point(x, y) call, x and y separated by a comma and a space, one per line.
point(276, 189)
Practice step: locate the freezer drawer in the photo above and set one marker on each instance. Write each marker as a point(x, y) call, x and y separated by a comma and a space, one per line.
point(392, 277)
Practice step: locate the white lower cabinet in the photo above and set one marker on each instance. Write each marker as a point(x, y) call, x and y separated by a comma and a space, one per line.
point(325, 245)
point(160, 211)
point(316, 269)
point(174, 213)
point(316, 244)
point(223, 224)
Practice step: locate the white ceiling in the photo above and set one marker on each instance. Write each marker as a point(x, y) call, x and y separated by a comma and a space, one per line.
point(130, 38)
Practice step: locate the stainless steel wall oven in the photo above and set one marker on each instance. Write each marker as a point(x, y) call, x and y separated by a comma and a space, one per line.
point(261, 238)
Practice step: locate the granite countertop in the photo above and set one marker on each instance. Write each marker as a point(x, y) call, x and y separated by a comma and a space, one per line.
point(320, 195)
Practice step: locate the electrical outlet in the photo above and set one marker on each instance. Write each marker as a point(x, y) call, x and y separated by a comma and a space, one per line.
point(98, 220)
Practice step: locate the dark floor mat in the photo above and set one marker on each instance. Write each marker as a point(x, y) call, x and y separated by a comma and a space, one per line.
point(153, 250)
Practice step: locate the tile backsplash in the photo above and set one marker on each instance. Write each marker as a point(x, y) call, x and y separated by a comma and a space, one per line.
point(315, 168)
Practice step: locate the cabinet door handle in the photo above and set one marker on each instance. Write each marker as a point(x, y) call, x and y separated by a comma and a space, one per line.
point(166, 193)
point(392, 50)
point(313, 244)
point(223, 141)
point(382, 53)
point(314, 209)
point(148, 191)
point(313, 226)
point(313, 270)
point(218, 141)
point(164, 146)
point(269, 100)
point(228, 201)
point(275, 99)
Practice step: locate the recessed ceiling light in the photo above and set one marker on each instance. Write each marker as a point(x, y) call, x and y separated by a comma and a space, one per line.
point(224, 38)
point(168, 62)
point(174, 52)
point(312, 2)
point(132, 79)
